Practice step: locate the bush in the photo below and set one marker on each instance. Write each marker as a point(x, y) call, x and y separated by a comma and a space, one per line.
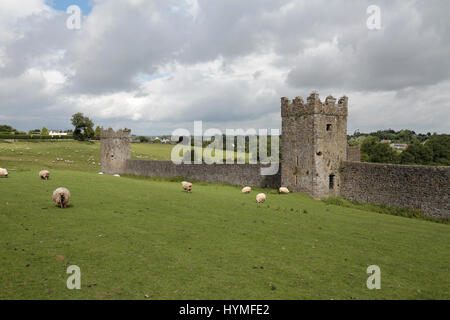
point(33, 137)
point(417, 154)
point(143, 139)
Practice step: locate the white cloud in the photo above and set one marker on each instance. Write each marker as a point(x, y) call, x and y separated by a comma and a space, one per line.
point(167, 63)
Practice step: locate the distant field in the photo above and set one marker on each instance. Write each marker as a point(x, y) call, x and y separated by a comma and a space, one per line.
point(133, 236)
point(73, 155)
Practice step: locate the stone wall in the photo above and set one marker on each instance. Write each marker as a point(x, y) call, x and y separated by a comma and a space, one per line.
point(115, 149)
point(353, 153)
point(423, 187)
point(236, 174)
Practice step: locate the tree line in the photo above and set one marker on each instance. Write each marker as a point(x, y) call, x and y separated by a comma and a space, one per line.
point(83, 130)
point(422, 149)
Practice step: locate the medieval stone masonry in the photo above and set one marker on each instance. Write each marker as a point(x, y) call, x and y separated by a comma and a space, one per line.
point(315, 160)
point(313, 144)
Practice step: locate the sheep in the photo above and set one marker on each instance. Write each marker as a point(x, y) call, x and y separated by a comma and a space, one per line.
point(3, 173)
point(187, 186)
point(261, 197)
point(283, 190)
point(44, 174)
point(61, 196)
point(246, 190)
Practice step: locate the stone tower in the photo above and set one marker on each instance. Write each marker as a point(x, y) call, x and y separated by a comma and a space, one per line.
point(314, 143)
point(114, 150)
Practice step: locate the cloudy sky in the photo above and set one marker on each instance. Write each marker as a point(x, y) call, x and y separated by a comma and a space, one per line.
point(154, 66)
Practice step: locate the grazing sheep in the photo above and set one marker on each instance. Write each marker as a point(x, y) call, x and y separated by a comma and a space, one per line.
point(261, 197)
point(187, 186)
point(44, 174)
point(3, 173)
point(61, 196)
point(246, 190)
point(116, 175)
point(283, 190)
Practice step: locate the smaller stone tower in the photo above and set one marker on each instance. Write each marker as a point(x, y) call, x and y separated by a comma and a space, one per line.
point(314, 144)
point(114, 150)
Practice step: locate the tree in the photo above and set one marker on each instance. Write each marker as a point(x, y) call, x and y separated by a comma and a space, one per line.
point(6, 128)
point(440, 146)
point(374, 151)
point(416, 154)
point(83, 127)
point(44, 131)
point(383, 153)
point(97, 133)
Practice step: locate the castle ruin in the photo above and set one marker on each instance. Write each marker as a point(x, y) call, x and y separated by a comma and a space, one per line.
point(315, 159)
point(314, 144)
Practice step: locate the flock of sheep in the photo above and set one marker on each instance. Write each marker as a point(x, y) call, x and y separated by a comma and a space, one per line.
point(61, 195)
point(260, 197)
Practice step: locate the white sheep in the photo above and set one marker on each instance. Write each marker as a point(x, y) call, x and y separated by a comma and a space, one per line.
point(246, 190)
point(283, 190)
point(187, 186)
point(44, 174)
point(3, 173)
point(260, 197)
point(62, 197)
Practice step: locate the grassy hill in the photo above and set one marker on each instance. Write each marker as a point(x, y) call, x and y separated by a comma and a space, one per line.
point(133, 236)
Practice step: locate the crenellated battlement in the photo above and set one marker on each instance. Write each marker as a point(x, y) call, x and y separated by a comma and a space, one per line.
point(110, 133)
point(298, 107)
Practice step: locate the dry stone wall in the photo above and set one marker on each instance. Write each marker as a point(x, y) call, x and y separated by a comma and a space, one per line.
point(422, 187)
point(236, 174)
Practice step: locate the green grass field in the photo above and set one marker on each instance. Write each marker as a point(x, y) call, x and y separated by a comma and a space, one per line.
point(133, 237)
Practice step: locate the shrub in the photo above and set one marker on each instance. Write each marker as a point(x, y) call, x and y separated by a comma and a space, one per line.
point(33, 137)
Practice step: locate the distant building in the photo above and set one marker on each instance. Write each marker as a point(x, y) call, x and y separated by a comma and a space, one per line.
point(399, 145)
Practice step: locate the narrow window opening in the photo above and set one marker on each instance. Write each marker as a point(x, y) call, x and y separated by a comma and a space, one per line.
point(331, 181)
point(296, 181)
point(297, 160)
point(329, 127)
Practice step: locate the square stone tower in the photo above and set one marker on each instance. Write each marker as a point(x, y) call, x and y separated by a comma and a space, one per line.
point(313, 145)
point(115, 149)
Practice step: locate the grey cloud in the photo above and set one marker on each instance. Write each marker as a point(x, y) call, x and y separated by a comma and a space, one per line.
point(410, 51)
point(119, 41)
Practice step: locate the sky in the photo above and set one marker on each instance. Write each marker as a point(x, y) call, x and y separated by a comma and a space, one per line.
point(155, 66)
